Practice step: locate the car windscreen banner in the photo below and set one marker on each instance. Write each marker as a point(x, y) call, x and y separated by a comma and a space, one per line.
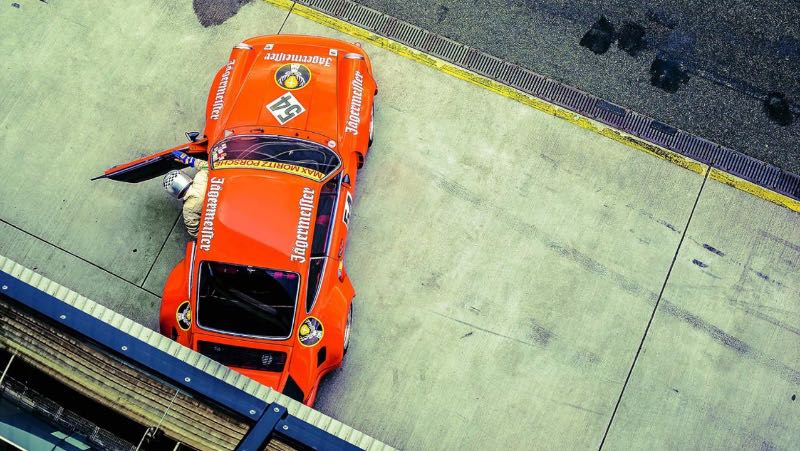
point(270, 166)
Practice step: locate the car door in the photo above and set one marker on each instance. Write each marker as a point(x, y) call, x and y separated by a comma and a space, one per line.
point(151, 166)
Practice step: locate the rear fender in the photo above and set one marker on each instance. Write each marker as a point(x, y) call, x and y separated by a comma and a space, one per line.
point(175, 300)
point(355, 102)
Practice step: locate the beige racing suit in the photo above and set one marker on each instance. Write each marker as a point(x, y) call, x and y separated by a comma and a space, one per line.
point(193, 201)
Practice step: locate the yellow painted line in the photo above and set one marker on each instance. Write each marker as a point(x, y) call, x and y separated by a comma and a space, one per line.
point(534, 102)
point(756, 190)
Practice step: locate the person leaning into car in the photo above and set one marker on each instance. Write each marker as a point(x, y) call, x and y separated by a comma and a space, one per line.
point(189, 190)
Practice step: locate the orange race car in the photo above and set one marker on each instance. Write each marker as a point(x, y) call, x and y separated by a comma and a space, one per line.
point(263, 289)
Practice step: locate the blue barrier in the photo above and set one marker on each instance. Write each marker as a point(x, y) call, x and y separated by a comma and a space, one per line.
point(266, 419)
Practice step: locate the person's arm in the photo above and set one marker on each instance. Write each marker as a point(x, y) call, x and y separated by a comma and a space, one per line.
point(189, 161)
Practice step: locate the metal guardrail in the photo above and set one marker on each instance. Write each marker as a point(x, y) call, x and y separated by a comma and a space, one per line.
point(529, 82)
point(268, 411)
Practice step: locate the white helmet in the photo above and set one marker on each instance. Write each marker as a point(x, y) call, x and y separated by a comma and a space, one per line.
point(176, 183)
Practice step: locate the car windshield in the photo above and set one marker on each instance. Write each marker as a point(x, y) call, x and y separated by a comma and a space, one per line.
point(275, 153)
point(244, 300)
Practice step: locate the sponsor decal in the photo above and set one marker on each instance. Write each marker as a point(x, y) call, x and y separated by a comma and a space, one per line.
point(285, 108)
point(184, 315)
point(212, 197)
point(271, 166)
point(310, 332)
point(300, 249)
point(280, 57)
point(219, 153)
point(219, 100)
point(348, 201)
point(292, 76)
point(354, 118)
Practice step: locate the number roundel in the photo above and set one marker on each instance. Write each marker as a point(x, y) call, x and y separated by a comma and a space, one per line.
point(285, 108)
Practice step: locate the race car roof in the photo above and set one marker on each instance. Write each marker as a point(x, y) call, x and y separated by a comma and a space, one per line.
point(258, 218)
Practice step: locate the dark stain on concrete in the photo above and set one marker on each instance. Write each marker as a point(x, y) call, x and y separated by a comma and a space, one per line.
point(661, 18)
point(15, 5)
point(667, 74)
point(669, 226)
point(539, 334)
point(675, 390)
point(680, 43)
point(631, 38)
point(215, 12)
point(713, 250)
point(794, 397)
point(777, 108)
point(699, 263)
point(763, 276)
point(432, 281)
point(441, 13)
point(466, 335)
point(599, 37)
point(585, 358)
point(788, 47)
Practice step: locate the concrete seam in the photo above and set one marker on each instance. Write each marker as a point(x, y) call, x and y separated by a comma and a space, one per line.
point(77, 256)
point(674, 145)
point(288, 13)
point(144, 281)
point(655, 309)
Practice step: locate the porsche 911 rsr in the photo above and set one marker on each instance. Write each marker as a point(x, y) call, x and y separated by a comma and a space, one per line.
point(263, 288)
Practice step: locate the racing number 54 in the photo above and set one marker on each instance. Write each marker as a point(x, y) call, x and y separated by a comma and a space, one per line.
point(285, 108)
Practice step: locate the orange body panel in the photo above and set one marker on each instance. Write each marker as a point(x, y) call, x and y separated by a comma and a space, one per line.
point(252, 208)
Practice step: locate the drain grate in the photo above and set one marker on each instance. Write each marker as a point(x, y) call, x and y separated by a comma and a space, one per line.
point(531, 83)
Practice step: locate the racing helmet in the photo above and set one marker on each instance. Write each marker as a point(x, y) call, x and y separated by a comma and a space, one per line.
point(176, 183)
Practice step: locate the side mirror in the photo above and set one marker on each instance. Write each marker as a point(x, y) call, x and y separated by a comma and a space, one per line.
point(192, 136)
point(346, 180)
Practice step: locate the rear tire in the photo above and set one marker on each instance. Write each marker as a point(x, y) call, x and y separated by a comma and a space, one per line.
point(347, 327)
point(372, 126)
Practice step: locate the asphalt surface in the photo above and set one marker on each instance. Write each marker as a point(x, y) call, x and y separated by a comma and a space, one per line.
point(729, 56)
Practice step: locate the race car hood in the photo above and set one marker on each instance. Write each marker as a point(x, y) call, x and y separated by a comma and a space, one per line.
point(259, 218)
point(313, 88)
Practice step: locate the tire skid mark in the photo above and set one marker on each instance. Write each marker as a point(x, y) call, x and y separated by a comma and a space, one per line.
point(746, 266)
point(632, 287)
point(779, 240)
point(651, 216)
point(731, 342)
point(713, 250)
point(770, 319)
point(518, 225)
